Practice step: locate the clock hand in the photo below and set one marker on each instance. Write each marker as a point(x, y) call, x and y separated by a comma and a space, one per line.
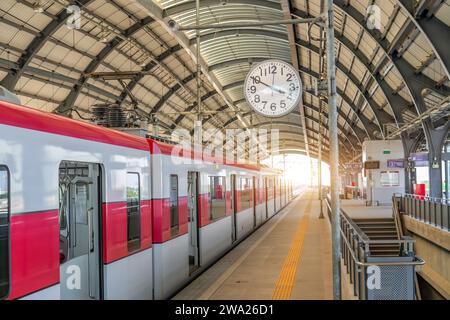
point(273, 82)
point(273, 88)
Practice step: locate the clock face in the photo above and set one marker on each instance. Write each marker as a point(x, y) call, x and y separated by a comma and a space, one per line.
point(273, 88)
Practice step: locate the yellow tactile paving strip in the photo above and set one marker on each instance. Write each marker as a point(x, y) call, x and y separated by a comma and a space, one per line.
point(286, 280)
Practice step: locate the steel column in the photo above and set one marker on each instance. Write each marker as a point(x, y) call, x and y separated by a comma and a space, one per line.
point(408, 146)
point(319, 167)
point(334, 152)
point(292, 38)
point(437, 137)
point(197, 53)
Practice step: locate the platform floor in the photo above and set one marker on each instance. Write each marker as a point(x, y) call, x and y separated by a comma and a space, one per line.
point(357, 209)
point(287, 258)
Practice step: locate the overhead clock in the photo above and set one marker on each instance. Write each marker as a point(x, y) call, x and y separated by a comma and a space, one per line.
point(273, 88)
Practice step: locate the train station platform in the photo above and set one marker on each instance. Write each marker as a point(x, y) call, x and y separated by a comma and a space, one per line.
point(357, 209)
point(288, 258)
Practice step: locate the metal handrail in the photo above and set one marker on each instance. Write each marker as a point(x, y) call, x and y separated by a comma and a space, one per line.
point(357, 257)
point(433, 211)
point(418, 261)
point(397, 218)
point(432, 199)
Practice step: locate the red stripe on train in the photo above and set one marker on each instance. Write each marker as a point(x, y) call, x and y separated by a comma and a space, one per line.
point(115, 243)
point(34, 252)
point(161, 219)
point(204, 210)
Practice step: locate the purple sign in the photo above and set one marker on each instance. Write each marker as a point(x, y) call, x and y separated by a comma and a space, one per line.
point(421, 156)
point(421, 163)
point(396, 163)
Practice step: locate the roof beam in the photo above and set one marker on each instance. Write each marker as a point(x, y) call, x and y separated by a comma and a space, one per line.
point(154, 10)
point(147, 68)
point(434, 30)
point(190, 5)
point(416, 84)
point(292, 38)
point(70, 100)
point(396, 102)
point(10, 81)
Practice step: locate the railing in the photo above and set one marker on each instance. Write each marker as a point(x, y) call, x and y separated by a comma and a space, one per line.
point(357, 258)
point(433, 211)
point(397, 216)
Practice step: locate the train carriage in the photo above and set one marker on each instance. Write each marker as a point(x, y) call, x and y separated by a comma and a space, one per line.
point(72, 189)
point(88, 212)
point(200, 209)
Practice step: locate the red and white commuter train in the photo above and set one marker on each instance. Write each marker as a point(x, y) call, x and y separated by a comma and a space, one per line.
point(88, 212)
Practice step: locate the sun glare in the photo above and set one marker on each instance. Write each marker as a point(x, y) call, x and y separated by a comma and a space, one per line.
point(300, 169)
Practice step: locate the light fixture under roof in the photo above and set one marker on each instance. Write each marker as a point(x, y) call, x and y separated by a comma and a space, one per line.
point(38, 7)
point(104, 38)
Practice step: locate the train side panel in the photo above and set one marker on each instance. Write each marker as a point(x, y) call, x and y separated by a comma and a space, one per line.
point(33, 158)
point(170, 239)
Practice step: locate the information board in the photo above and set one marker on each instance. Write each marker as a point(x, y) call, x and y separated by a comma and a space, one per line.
point(368, 165)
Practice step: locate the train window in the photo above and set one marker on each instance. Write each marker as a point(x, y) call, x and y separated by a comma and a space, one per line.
point(246, 193)
point(133, 211)
point(174, 203)
point(217, 198)
point(4, 232)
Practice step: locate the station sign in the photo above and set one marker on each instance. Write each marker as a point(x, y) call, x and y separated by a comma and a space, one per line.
point(421, 163)
point(420, 159)
point(396, 163)
point(372, 165)
point(420, 156)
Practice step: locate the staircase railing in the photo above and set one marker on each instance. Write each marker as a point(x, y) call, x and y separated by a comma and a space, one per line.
point(396, 204)
point(397, 273)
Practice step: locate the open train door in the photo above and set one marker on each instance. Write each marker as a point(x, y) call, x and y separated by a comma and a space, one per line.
point(193, 190)
point(79, 210)
point(233, 208)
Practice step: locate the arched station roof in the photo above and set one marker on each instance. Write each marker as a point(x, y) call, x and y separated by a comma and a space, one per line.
point(386, 77)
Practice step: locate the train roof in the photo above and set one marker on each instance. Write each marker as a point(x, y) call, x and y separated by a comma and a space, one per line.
point(32, 119)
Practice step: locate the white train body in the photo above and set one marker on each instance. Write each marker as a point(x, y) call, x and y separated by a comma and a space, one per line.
point(93, 213)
